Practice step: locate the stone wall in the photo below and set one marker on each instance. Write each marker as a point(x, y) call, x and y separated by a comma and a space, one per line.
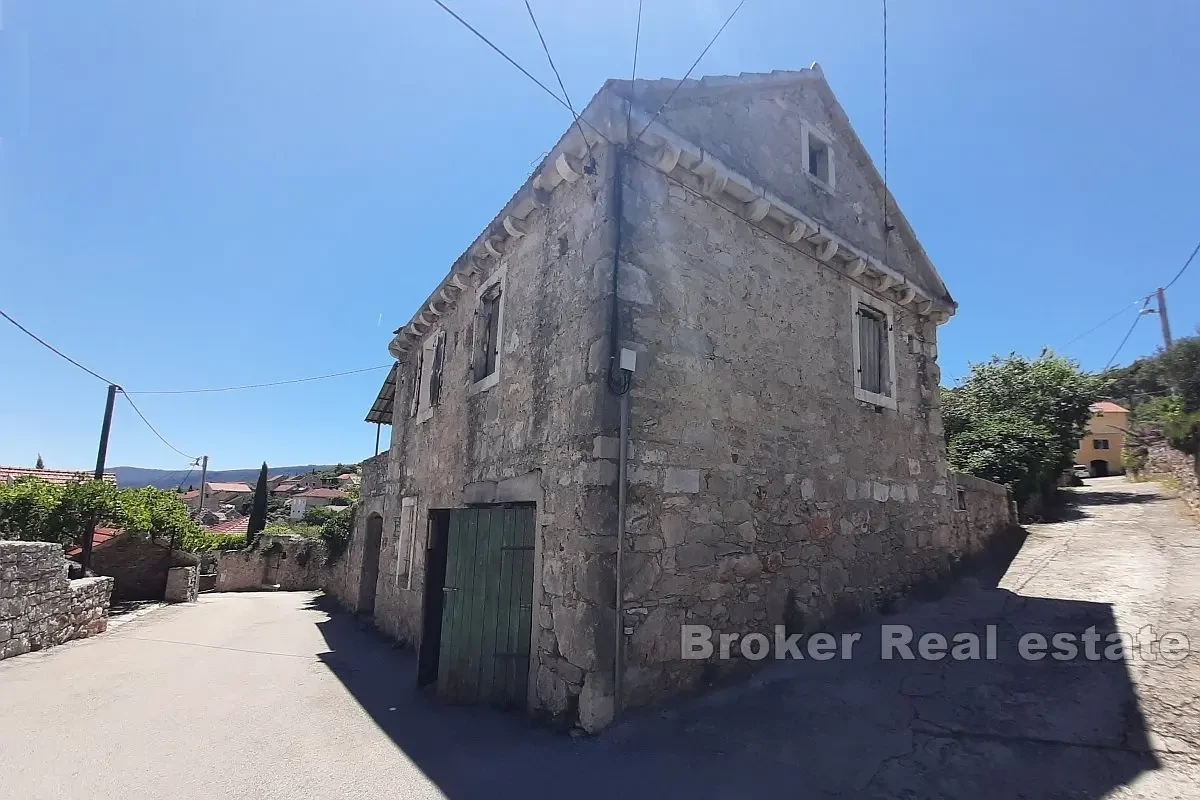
point(529, 438)
point(288, 563)
point(183, 585)
point(986, 511)
point(1162, 459)
point(763, 492)
point(39, 607)
point(138, 564)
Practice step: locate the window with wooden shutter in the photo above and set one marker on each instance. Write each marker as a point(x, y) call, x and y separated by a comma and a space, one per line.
point(487, 345)
point(874, 349)
point(415, 404)
point(872, 336)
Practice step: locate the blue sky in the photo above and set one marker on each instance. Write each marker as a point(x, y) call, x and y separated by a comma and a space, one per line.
point(213, 193)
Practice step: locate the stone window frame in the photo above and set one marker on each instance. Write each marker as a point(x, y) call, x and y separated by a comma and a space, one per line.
point(429, 347)
point(498, 279)
point(809, 131)
point(859, 298)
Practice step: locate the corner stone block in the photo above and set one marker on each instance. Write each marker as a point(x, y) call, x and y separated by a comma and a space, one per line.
point(681, 481)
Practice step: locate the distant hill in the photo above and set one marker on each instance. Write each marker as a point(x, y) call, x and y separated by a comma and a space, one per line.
point(134, 477)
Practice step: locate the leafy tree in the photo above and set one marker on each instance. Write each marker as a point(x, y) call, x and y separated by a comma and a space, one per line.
point(258, 511)
point(1018, 421)
point(26, 508)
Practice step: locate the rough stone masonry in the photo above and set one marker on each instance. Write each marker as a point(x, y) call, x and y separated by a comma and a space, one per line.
point(39, 607)
point(787, 458)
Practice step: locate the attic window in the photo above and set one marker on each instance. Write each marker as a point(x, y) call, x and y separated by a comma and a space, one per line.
point(817, 151)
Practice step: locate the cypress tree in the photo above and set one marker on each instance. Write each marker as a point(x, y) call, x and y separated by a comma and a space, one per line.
point(258, 510)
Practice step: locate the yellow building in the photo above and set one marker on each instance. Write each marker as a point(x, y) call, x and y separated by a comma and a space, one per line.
point(1100, 448)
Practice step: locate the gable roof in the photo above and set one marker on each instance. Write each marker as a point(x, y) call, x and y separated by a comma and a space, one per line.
point(331, 494)
point(731, 90)
point(609, 118)
point(1108, 407)
point(229, 487)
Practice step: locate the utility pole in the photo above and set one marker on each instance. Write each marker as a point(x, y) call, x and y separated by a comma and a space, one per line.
point(203, 478)
point(1162, 319)
point(101, 455)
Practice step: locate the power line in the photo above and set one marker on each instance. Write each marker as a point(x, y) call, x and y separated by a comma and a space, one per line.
point(1182, 269)
point(155, 430)
point(692, 67)
point(637, 38)
point(631, 153)
point(192, 469)
point(503, 55)
point(53, 349)
point(1124, 309)
point(264, 385)
point(1127, 335)
point(561, 85)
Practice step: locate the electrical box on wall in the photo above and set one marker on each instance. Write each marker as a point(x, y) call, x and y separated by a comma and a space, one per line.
point(628, 360)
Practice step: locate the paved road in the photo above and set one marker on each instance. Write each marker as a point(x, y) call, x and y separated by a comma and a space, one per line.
point(268, 696)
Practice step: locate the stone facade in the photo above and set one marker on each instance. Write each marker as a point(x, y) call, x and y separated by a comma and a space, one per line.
point(765, 483)
point(39, 607)
point(288, 563)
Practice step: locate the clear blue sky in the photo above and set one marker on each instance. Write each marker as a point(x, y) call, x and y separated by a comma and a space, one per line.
point(213, 193)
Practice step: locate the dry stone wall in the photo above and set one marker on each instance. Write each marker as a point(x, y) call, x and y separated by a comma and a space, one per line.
point(39, 607)
point(289, 563)
point(1162, 459)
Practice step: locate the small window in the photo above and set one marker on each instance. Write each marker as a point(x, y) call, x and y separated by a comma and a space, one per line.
point(488, 333)
point(487, 343)
point(872, 346)
point(817, 152)
point(415, 404)
point(433, 355)
point(874, 350)
point(1100, 444)
point(960, 496)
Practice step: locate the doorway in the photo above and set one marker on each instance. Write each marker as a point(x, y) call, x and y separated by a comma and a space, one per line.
point(486, 606)
point(369, 576)
point(435, 579)
point(1099, 468)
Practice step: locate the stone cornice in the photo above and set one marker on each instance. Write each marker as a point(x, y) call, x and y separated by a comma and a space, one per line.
point(662, 149)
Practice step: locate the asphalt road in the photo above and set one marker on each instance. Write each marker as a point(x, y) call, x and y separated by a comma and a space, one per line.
point(267, 695)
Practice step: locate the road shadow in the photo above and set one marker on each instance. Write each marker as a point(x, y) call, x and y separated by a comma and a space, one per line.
point(1001, 726)
point(1075, 505)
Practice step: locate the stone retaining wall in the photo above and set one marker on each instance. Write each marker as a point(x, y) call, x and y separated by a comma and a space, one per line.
point(289, 563)
point(1162, 459)
point(39, 607)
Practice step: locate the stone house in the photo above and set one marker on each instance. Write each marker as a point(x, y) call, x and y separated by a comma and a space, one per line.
point(726, 290)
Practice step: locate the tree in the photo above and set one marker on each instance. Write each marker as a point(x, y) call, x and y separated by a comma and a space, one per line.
point(40, 464)
point(1018, 421)
point(258, 510)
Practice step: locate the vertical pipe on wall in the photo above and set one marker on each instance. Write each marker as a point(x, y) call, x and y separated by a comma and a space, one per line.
point(619, 644)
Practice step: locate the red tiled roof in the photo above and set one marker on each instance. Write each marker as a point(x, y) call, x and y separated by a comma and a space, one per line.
point(345, 476)
point(102, 536)
point(55, 476)
point(229, 487)
point(238, 525)
point(1105, 407)
point(332, 494)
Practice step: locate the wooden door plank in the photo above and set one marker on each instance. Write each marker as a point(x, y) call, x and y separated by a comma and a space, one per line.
point(489, 586)
point(451, 603)
point(505, 636)
point(472, 612)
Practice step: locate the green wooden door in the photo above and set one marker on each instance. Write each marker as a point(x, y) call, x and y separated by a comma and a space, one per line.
point(488, 606)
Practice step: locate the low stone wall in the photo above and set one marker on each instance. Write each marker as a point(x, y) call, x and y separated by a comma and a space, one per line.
point(288, 563)
point(183, 585)
point(983, 510)
point(138, 563)
point(39, 607)
point(1164, 460)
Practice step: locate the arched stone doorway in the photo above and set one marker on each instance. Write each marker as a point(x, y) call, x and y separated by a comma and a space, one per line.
point(369, 576)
